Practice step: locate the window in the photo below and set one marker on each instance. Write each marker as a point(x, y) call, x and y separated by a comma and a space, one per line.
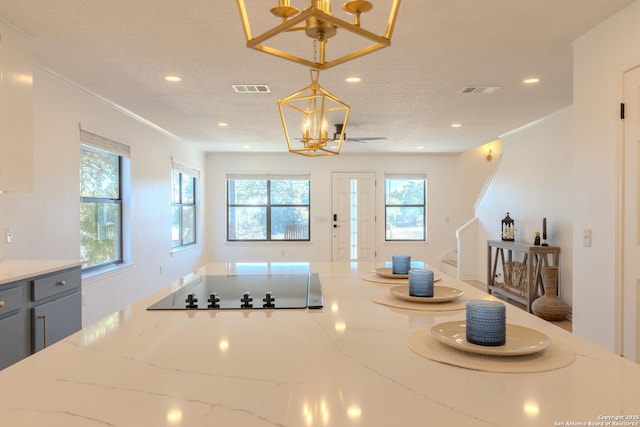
point(101, 208)
point(274, 208)
point(183, 206)
point(405, 198)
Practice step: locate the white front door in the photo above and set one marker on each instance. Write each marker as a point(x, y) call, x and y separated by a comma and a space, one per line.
point(631, 288)
point(353, 217)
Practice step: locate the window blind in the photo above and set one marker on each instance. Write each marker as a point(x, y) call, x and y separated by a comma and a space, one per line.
point(103, 143)
point(185, 169)
point(405, 176)
point(268, 176)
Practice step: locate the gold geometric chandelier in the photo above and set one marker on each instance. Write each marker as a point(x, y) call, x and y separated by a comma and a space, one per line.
point(318, 23)
point(313, 105)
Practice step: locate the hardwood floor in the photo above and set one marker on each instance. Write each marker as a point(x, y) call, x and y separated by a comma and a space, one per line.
point(564, 324)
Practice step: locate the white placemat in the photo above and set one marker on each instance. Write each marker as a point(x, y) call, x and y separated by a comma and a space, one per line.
point(556, 356)
point(372, 276)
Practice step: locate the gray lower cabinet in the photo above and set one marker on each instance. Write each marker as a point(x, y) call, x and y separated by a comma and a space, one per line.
point(15, 342)
point(55, 307)
point(38, 312)
point(55, 320)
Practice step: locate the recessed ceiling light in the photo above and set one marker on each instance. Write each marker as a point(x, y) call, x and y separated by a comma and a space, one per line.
point(172, 78)
point(353, 79)
point(420, 147)
point(531, 80)
point(456, 125)
point(223, 124)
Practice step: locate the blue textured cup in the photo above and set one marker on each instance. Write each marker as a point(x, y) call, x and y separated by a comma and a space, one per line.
point(420, 283)
point(400, 264)
point(486, 322)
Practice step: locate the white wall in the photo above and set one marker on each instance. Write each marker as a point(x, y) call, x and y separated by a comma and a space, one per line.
point(449, 205)
point(600, 59)
point(46, 222)
point(533, 181)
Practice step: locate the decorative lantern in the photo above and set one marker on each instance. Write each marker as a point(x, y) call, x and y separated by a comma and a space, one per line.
point(307, 113)
point(508, 229)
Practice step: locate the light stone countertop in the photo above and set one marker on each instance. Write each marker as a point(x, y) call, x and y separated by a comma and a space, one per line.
point(348, 364)
point(14, 270)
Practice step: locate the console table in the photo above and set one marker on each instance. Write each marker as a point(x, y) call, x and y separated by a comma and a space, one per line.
point(520, 265)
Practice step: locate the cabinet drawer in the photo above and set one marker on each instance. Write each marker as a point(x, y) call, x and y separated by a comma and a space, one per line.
point(11, 299)
point(53, 284)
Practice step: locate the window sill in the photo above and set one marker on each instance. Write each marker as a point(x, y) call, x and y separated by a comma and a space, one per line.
point(97, 275)
point(182, 249)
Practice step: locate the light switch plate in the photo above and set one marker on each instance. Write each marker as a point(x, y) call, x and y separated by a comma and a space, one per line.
point(586, 237)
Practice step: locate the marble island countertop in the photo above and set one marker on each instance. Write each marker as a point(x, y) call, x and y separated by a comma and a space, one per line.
point(13, 270)
point(348, 364)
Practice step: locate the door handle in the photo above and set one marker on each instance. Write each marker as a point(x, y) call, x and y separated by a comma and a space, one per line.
point(335, 226)
point(44, 329)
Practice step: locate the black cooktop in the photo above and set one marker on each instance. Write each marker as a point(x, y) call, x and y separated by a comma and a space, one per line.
point(252, 291)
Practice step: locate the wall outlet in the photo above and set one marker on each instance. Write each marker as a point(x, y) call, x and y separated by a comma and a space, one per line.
point(9, 235)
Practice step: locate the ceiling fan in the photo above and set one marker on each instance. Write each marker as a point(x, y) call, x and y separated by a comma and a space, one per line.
point(338, 131)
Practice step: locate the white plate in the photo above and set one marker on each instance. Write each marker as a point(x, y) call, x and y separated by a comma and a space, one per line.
point(440, 294)
point(387, 272)
point(520, 340)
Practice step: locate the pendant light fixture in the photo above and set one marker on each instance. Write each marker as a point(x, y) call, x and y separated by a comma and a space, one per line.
point(319, 23)
point(306, 115)
point(310, 109)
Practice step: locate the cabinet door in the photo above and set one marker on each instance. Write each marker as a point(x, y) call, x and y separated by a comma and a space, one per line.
point(56, 320)
point(12, 339)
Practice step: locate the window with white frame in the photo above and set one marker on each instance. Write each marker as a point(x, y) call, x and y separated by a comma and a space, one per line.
point(265, 208)
point(183, 205)
point(405, 207)
point(102, 170)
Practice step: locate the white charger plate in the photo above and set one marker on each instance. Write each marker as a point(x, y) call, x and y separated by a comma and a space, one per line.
point(520, 340)
point(440, 294)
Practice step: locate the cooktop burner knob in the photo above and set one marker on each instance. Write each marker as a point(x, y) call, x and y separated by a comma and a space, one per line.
point(246, 301)
point(214, 300)
point(191, 301)
point(268, 300)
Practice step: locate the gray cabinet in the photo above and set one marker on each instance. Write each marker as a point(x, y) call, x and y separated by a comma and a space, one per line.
point(14, 336)
point(38, 312)
point(55, 307)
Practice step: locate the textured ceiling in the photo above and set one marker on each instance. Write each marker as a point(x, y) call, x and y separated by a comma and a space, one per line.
point(409, 94)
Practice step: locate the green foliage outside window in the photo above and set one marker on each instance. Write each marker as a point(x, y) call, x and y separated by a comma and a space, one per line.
point(183, 209)
point(263, 209)
point(100, 208)
point(405, 209)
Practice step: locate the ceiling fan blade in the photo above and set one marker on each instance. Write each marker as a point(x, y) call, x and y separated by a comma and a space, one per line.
point(365, 139)
point(339, 127)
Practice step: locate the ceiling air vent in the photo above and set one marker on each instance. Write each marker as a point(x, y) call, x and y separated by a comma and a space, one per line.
point(251, 88)
point(480, 89)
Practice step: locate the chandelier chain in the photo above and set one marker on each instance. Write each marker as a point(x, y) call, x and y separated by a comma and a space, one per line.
point(315, 50)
